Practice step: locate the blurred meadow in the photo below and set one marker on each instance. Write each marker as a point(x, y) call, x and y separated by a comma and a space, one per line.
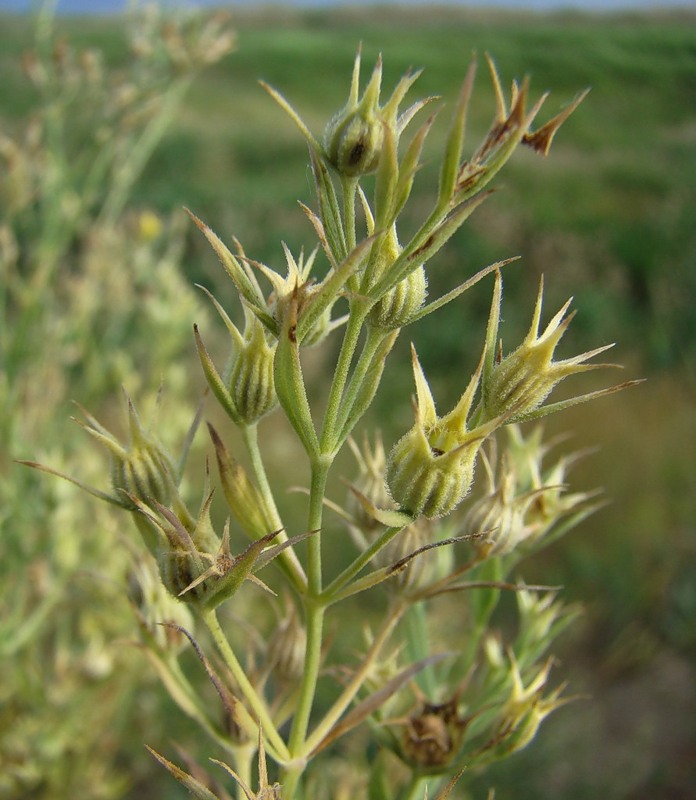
point(608, 218)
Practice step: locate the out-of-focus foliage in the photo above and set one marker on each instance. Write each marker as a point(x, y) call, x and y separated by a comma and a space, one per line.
point(91, 296)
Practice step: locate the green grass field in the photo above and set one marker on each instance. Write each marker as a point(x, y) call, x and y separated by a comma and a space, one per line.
point(608, 217)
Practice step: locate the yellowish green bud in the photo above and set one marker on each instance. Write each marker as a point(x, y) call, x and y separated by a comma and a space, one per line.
point(370, 482)
point(515, 386)
point(142, 468)
point(353, 138)
point(523, 712)
point(431, 469)
point(251, 384)
point(501, 514)
point(353, 142)
point(144, 471)
point(398, 306)
point(426, 481)
point(412, 538)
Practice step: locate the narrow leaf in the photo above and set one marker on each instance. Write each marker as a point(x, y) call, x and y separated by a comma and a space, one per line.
point(388, 517)
point(329, 210)
point(197, 789)
point(455, 140)
point(215, 381)
point(447, 298)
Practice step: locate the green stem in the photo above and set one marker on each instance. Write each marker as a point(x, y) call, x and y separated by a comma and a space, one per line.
point(256, 703)
point(131, 169)
point(243, 757)
point(289, 559)
point(331, 429)
point(342, 580)
point(374, 339)
point(416, 788)
point(314, 621)
point(346, 698)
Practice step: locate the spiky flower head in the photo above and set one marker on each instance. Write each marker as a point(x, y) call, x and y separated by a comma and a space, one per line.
point(501, 513)
point(523, 712)
point(196, 564)
point(430, 470)
point(516, 386)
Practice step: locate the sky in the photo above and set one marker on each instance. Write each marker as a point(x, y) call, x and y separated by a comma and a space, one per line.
point(114, 6)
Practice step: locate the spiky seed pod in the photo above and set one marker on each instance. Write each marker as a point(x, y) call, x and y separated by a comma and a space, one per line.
point(517, 385)
point(432, 738)
point(430, 470)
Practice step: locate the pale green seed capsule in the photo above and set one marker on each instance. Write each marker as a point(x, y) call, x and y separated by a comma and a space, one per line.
point(252, 386)
point(426, 482)
point(398, 306)
point(145, 471)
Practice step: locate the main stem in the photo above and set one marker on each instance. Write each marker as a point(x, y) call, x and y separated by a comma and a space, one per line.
point(314, 621)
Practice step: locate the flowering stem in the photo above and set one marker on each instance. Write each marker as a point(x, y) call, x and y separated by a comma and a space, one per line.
point(374, 339)
point(289, 559)
point(330, 438)
point(419, 647)
point(416, 788)
point(314, 620)
point(256, 703)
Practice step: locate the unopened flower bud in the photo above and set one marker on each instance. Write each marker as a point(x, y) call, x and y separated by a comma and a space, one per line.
point(501, 515)
point(353, 142)
point(353, 138)
point(398, 306)
point(516, 386)
point(523, 712)
point(411, 539)
point(426, 481)
point(142, 469)
point(430, 470)
point(252, 387)
point(370, 482)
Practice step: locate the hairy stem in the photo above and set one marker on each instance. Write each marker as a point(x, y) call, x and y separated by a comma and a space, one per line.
point(331, 430)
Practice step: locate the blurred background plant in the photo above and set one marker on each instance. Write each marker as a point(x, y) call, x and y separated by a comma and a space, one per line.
point(623, 242)
point(92, 294)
